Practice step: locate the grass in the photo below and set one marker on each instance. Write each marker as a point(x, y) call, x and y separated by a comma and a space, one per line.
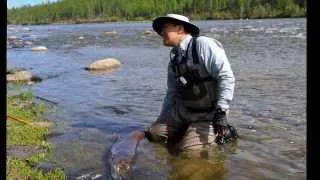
point(19, 169)
point(22, 135)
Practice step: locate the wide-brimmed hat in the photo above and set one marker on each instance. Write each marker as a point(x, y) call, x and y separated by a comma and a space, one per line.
point(158, 22)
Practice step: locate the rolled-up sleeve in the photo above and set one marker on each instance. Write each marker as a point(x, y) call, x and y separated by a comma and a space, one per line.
point(217, 64)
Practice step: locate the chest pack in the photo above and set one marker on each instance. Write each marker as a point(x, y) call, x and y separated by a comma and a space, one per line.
point(188, 73)
point(193, 82)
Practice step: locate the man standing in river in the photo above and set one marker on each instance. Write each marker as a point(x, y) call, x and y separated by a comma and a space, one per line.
point(200, 82)
point(200, 88)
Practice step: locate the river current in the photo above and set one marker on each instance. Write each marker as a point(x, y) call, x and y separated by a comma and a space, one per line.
point(268, 57)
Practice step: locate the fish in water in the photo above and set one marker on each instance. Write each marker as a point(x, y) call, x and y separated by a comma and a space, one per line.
point(123, 153)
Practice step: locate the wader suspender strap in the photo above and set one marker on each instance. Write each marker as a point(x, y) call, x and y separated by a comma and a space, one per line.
point(175, 63)
point(175, 66)
point(194, 51)
point(195, 58)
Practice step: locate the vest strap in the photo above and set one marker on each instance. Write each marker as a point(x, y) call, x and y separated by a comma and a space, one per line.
point(194, 51)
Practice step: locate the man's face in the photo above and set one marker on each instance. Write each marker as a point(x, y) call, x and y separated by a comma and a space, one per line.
point(171, 34)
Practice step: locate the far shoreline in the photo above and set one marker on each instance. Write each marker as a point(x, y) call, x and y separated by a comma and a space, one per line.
point(104, 21)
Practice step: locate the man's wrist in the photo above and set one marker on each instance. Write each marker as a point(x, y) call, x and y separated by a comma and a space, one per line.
point(223, 105)
point(220, 117)
point(220, 110)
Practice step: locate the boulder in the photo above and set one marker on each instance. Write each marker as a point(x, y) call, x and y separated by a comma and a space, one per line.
point(39, 48)
point(104, 64)
point(23, 76)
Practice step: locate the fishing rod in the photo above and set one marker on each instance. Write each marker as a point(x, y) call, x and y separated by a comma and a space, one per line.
point(16, 119)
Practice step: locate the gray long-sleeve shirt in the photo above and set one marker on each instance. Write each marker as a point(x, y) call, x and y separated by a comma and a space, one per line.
point(211, 52)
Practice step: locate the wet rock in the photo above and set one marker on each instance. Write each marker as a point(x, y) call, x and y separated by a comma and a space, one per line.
point(21, 76)
point(97, 176)
point(12, 37)
point(111, 33)
point(104, 64)
point(22, 104)
point(90, 175)
point(46, 166)
point(101, 72)
point(148, 32)
point(39, 48)
point(14, 70)
point(15, 43)
point(28, 42)
point(22, 151)
point(27, 29)
point(25, 35)
point(42, 124)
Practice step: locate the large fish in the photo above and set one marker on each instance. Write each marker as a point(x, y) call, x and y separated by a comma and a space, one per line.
point(122, 155)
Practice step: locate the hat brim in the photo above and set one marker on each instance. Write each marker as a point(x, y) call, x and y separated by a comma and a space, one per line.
point(157, 24)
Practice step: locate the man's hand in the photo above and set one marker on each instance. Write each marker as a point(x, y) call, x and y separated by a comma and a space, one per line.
point(220, 117)
point(223, 130)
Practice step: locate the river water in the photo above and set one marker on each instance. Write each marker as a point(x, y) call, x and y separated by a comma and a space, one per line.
point(268, 57)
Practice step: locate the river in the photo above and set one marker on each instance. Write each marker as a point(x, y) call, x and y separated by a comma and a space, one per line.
point(268, 57)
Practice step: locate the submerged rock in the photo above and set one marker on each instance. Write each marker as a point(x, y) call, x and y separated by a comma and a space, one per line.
point(46, 166)
point(14, 42)
point(104, 64)
point(39, 48)
point(22, 151)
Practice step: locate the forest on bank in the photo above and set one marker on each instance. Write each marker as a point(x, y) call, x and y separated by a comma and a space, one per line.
point(81, 11)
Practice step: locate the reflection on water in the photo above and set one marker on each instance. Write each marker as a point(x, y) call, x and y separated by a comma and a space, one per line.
point(197, 169)
point(268, 58)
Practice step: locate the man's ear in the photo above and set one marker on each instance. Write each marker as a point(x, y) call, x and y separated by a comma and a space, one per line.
point(181, 29)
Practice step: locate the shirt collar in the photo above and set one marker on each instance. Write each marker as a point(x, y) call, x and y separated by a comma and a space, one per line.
point(185, 41)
